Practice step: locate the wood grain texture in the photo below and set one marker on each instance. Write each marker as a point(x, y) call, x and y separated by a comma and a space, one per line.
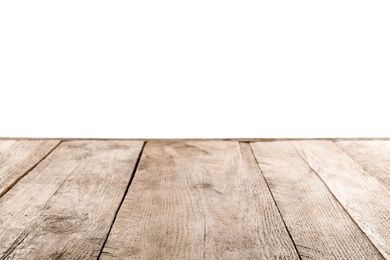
point(318, 224)
point(18, 157)
point(372, 156)
point(198, 200)
point(364, 198)
point(65, 206)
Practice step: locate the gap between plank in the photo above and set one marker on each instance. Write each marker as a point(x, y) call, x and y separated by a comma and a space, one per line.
point(123, 198)
point(29, 170)
point(276, 205)
point(334, 196)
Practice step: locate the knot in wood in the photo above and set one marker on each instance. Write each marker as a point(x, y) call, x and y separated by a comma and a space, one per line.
point(204, 186)
point(62, 224)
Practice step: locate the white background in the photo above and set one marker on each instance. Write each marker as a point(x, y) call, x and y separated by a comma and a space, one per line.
point(191, 69)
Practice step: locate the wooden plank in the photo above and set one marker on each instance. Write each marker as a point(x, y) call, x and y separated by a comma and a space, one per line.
point(65, 207)
point(18, 157)
point(198, 200)
point(362, 196)
point(318, 224)
point(372, 156)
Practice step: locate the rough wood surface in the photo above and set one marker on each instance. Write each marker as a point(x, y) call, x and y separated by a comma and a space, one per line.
point(372, 156)
point(366, 200)
point(18, 157)
point(318, 224)
point(198, 200)
point(65, 206)
point(195, 199)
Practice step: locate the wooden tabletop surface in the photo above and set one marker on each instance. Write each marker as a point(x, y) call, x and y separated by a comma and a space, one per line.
point(195, 199)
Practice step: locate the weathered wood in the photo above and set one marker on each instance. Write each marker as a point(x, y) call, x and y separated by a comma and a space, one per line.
point(18, 157)
point(365, 199)
point(318, 224)
point(65, 206)
point(372, 156)
point(198, 200)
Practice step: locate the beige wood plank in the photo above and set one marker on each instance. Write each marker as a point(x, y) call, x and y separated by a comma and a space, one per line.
point(372, 156)
point(362, 196)
point(198, 200)
point(65, 206)
point(318, 224)
point(18, 157)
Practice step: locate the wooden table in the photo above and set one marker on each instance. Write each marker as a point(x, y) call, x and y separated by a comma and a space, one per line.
point(195, 199)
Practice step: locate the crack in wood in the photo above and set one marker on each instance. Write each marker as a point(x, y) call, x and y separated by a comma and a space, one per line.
point(19, 240)
point(123, 199)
